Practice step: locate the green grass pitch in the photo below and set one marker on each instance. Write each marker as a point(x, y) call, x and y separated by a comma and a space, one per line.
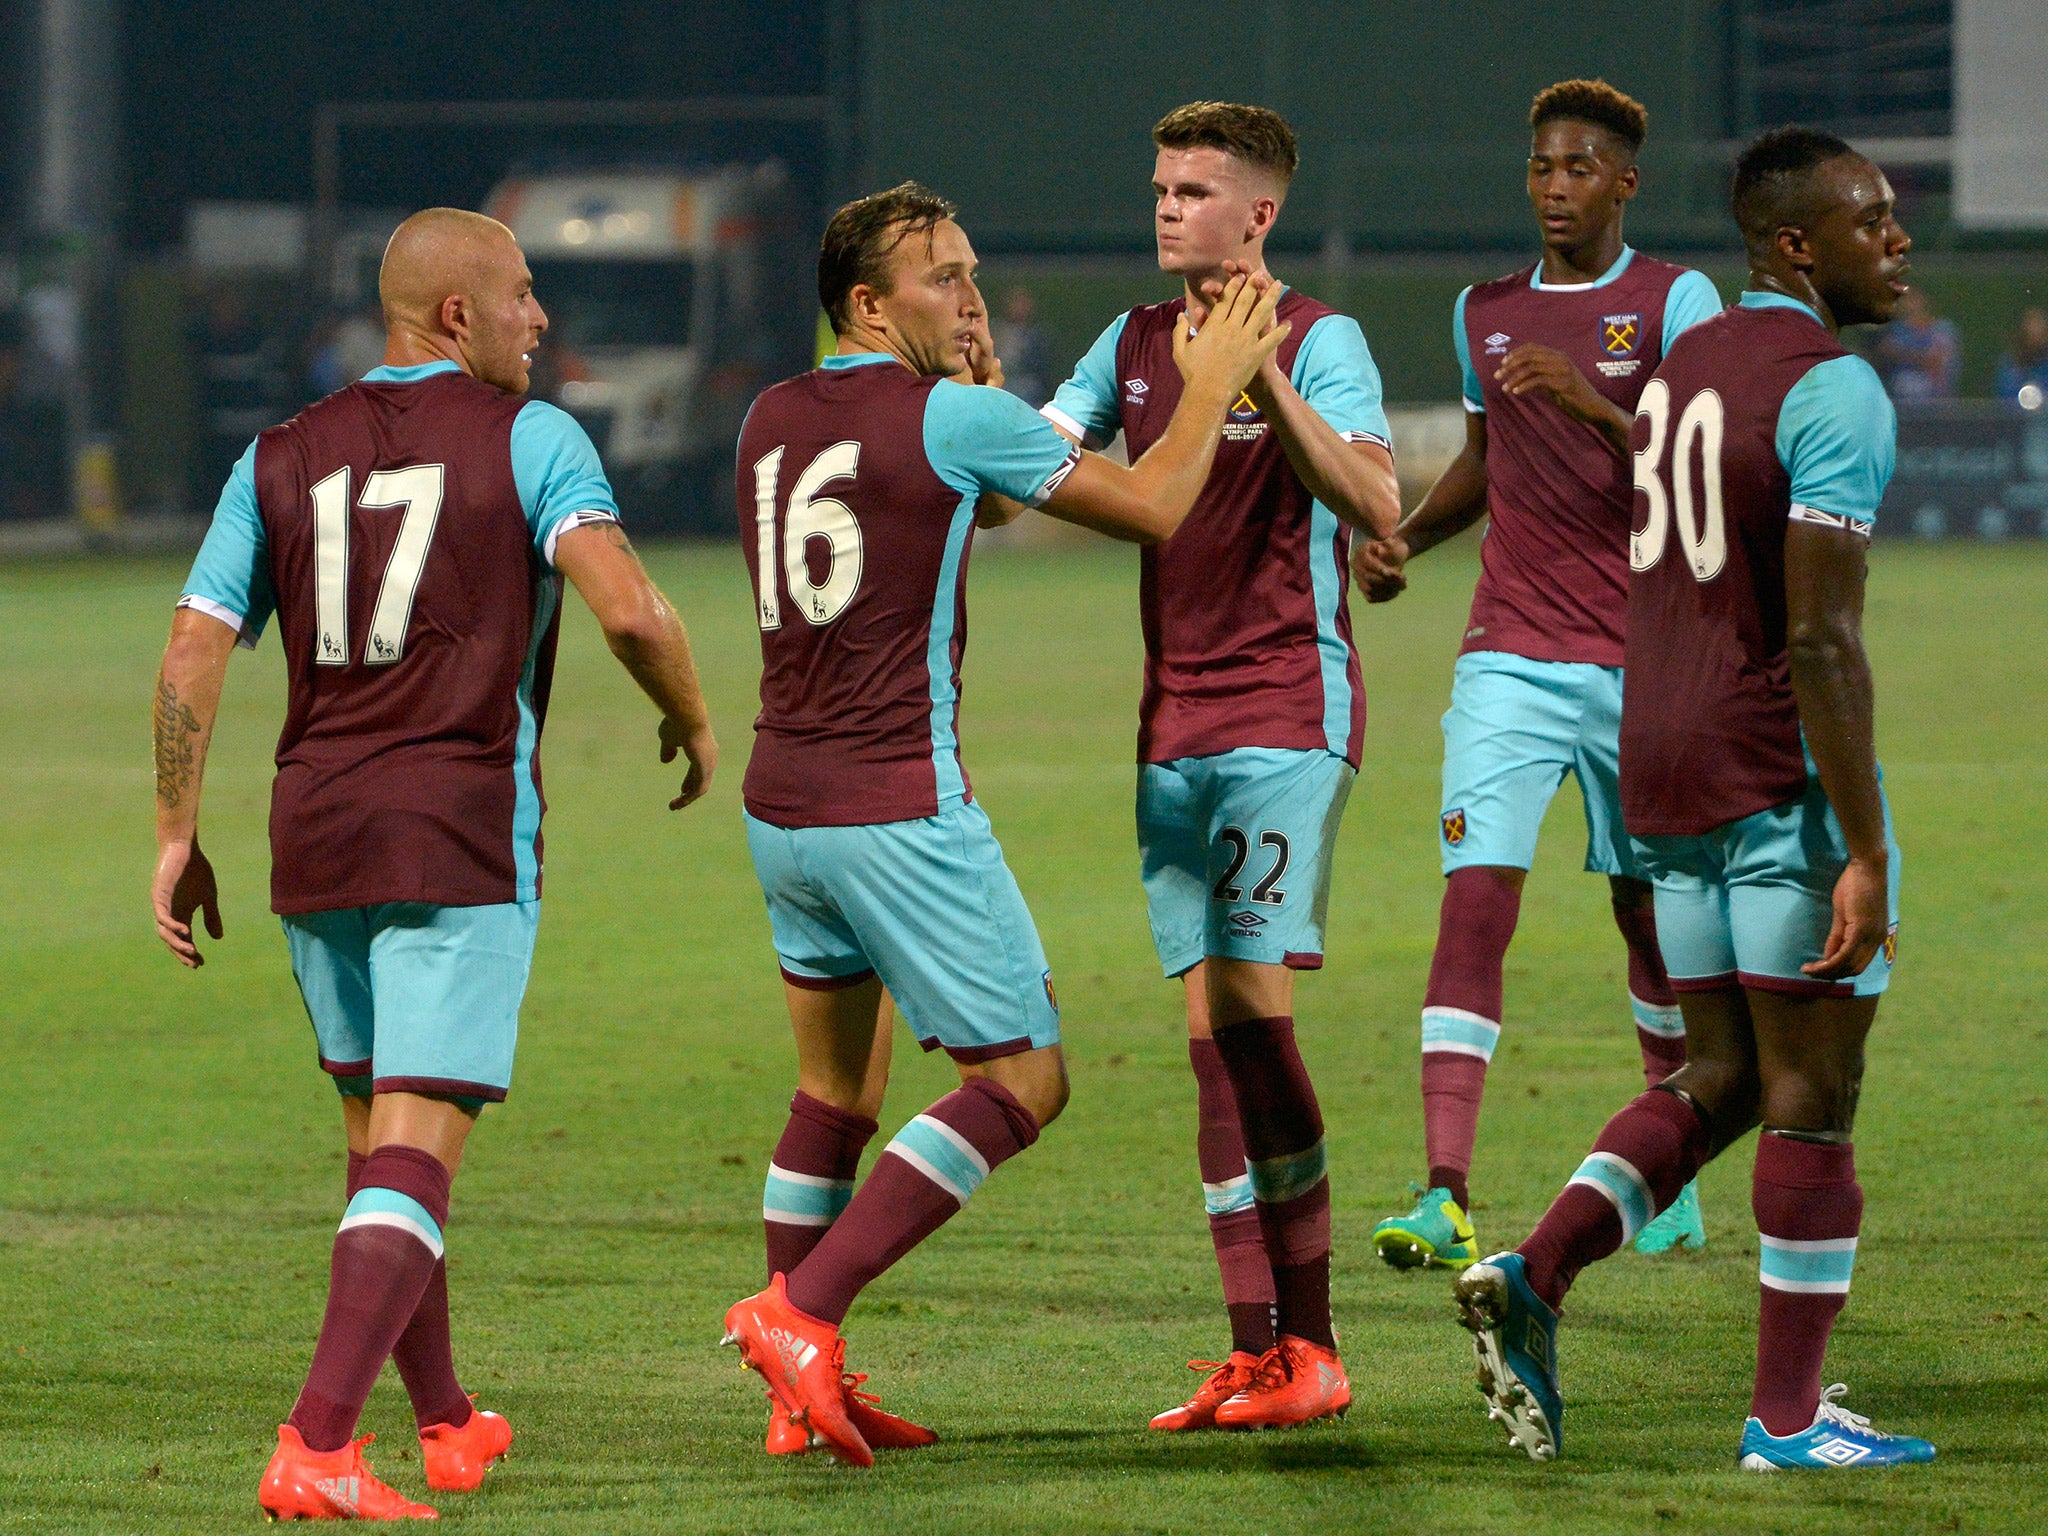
point(170, 1164)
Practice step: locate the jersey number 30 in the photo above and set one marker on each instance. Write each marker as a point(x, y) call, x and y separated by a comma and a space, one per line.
point(418, 489)
point(810, 516)
point(1702, 530)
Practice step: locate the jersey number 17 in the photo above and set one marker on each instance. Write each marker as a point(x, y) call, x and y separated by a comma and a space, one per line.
point(418, 489)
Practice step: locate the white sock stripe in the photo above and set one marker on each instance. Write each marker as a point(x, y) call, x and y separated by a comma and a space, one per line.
point(393, 1219)
point(1432, 1011)
point(797, 1218)
point(1662, 1019)
point(912, 1157)
point(1805, 1287)
point(811, 1180)
point(961, 1144)
point(1624, 1187)
point(1808, 1244)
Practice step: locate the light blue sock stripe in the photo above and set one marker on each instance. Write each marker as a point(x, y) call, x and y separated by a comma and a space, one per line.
point(374, 1205)
point(1617, 1179)
point(1466, 1034)
point(1811, 1266)
point(1228, 1197)
point(781, 1196)
point(1655, 1019)
point(941, 1153)
point(1277, 1179)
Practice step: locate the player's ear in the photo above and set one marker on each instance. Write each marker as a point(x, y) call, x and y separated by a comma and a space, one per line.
point(864, 305)
point(1264, 211)
point(1795, 247)
point(1628, 183)
point(455, 316)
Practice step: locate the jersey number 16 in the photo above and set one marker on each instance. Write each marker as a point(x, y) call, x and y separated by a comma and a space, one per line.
point(810, 516)
point(1700, 428)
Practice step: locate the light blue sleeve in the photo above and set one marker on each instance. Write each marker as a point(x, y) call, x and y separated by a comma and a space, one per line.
point(231, 578)
point(561, 483)
point(1838, 440)
point(1475, 397)
point(981, 439)
point(1087, 403)
point(1687, 302)
point(1334, 372)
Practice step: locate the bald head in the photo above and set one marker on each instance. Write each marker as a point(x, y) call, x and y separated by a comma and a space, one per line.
point(455, 285)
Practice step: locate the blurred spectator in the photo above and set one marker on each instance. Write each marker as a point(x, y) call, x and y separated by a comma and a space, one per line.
point(32, 467)
point(348, 347)
point(2023, 372)
point(1919, 353)
point(1025, 349)
point(242, 387)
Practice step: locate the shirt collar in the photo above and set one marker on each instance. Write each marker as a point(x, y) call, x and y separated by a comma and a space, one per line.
point(855, 359)
point(410, 374)
point(1754, 298)
point(1620, 266)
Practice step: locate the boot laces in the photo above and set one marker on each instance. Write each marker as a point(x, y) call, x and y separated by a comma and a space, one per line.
point(1831, 1409)
point(1274, 1370)
point(850, 1382)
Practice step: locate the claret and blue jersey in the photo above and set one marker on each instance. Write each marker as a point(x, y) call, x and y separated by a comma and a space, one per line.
point(402, 532)
point(856, 489)
point(1757, 420)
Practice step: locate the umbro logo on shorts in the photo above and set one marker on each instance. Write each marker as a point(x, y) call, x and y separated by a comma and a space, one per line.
point(1454, 826)
point(1246, 922)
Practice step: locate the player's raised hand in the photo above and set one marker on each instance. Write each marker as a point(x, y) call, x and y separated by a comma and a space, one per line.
point(982, 362)
point(1862, 916)
point(697, 744)
point(1234, 341)
point(183, 885)
point(1379, 568)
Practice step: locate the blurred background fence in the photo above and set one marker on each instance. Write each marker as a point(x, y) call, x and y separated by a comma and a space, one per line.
point(193, 198)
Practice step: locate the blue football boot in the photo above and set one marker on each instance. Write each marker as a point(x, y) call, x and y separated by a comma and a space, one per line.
point(1678, 1226)
point(1515, 1336)
point(1837, 1438)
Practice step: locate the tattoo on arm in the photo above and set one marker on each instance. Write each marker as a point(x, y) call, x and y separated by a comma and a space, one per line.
point(176, 730)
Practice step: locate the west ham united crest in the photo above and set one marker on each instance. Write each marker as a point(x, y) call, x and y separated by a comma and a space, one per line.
point(1454, 826)
point(1891, 945)
point(1620, 335)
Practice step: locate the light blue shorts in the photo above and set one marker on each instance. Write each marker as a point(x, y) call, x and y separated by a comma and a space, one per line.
point(1235, 853)
point(409, 997)
point(931, 908)
point(1515, 728)
point(1752, 901)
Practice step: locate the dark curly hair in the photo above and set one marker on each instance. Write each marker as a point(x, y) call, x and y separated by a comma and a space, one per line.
point(1772, 179)
point(1595, 102)
point(863, 234)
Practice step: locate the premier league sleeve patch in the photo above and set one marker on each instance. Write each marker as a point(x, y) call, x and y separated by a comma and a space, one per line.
point(1620, 335)
point(1454, 826)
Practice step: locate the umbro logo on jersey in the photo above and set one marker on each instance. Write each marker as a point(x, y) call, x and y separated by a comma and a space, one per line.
point(1246, 922)
point(1840, 1453)
point(344, 1493)
point(1498, 341)
point(1137, 386)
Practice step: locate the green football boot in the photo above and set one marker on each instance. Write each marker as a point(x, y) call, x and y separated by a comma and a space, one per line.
point(1679, 1227)
point(1436, 1233)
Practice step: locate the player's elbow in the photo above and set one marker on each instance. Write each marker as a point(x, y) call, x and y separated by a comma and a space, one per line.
point(1824, 645)
point(635, 623)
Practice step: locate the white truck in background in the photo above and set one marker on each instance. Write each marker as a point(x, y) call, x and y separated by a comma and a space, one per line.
point(653, 283)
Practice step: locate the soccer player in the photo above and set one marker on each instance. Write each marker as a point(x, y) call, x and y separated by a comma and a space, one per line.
point(858, 489)
point(1751, 788)
point(1249, 734)
point(410, 534)
point(1553, 357)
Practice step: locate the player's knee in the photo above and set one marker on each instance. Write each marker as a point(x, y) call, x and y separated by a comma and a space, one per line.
point(1819, 1098)
point(1036, 1078)
point(1727, 1093)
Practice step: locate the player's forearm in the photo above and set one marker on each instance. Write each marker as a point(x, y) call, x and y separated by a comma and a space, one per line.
point(654, 648)
point(187, 702)
point(1169, 476)
point(1832, 686)
point(1453, 504)
point(1357, 483)
point(1614, 424)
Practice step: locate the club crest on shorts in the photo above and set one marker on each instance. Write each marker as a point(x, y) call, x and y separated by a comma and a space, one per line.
point(1051, 996)
point(1454, 826)
point(1620, 335)
point(1891, 945)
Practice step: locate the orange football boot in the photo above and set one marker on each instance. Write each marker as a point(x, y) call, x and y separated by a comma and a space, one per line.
point(456, 1459)
point(882, 1431)
point(302, 1484)
point(803, 1361)
point(784, 1438)
point(1226, 1379)
point(1295, 1382)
